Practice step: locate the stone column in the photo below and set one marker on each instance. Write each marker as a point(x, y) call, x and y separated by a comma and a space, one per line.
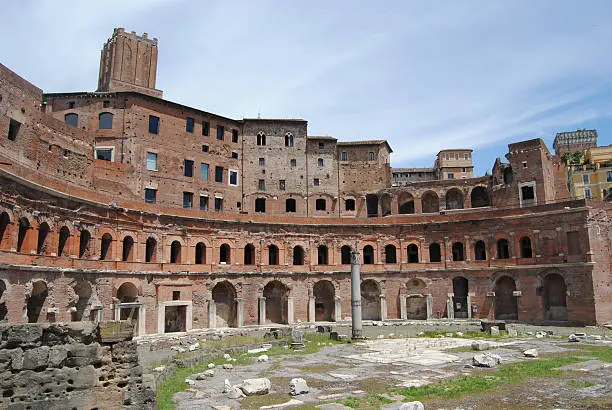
point(337, 309)
point(239, 312)
point(429, 306)
point(262, 310)
point(383, 307)
point(356, 295)
point(290, 311)
point(212, 314)
point(311, 309)
point(403, 313)
point(469, 304)
point(450, 309)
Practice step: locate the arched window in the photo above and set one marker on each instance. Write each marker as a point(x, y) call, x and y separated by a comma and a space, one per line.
point(390, 254)
point(64, 234)
point(261, 138)
point(200, 253)
point(458, 253)
point(24, 226)
point(345, 255)
point(290, 205)
point(272, 255)
point(84, 244)
point(175, 252)
point(106, 246)
point(151, 250)
point(298, 255)
point(503, 250)
point(434, 253)
point(526, 251)
point(322, 255)
point(288, 139)
point(249, 254)
point(368, 255)
point(105, 121)
point(480, 251)
point(128, 249)
point(260, 205)
point(225, 254)
point(71, 119)
point(413, 253)
point(320, 163)
point(320, 204)
point(43, 234)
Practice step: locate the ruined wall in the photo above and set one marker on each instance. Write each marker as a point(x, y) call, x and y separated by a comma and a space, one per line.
point(62, 366)
point(600, 239)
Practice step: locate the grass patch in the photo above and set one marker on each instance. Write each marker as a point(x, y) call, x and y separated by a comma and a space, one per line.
point(369, 401)
point(255, 402)
point(579, 384)
point(319, 368)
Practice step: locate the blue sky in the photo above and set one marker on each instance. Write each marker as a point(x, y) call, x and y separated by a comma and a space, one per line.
point(425, 75)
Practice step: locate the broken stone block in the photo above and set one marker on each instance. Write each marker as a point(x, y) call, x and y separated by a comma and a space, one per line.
point(37, 358)
point(257, 386)
point(263, 358)
point(494, 331)
point(211, 365)
point(298, 386)
point(531, 353)
point(412, 405)
point(480, 346)
point(57, 355)
point(512, 333)
point(228, 366)
point(486, 360)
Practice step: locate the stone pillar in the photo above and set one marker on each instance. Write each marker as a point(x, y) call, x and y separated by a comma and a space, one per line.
point(403, 313)
point(383, 307)
point(429, 306)
point(356, 295)
point(239, 312)
point(469, 304)
point(262, 310)
point(212, 314)
point(337, 309)
point(450, 309)
point(290, 312)
point(311, 309)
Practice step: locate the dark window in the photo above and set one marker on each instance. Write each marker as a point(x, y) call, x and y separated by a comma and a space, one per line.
point(218, 204)
point(322, 255)
point(480, 251)
point(320, 205)
point(272, 255)
point(220, 132)
point(205, 128)
point(289, 140)
point(218, 174)
point(188, 168)
point(234, 135)
point(262, 185)
point(434, 253)
point(233, 178)
point(205, 148)
point(71, 104)
point(150, 195)
point(503, 250)
point(105, 154)
point(225, 253)
point(290, 205)
point(262, 162)
point(507, 176)
point(106, 104)
point(200, 254)
point(189, 124)
point(249, 254)
point(293, 163)
point(526, 251)
point(458, 254)
point(281, 185)
point(72, 119)
point(150, 250)
point(371, 156)
point(343, 156)
point(176, 295)
point(320, 163)
point(345, 255)
point(413, 253)
point(390, 254)
point(321, 145)
point(368, 255)
point(203, 203)
point(298, 255)
point(153, 124)
point(105, 121)
point(527, 193)
point(235, 155)
point(261, 138)
point(187, 199)
point(349, 205)
point(316, 182)
point(260, 205)
point(175, 252)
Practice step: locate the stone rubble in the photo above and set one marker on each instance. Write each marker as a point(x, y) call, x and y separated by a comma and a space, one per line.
point(298, 386)
point(256, 386)
point(486, 360)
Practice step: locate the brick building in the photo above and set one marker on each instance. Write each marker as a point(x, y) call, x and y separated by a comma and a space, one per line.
point(118, 204)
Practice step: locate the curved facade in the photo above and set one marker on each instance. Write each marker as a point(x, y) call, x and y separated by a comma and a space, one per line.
point(121, 205)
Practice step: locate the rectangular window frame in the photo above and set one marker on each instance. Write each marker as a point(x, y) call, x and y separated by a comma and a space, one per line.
point(233, 175)
point(13, 131)
point(585, 179)
point(261, 185)
point(205, 128)
point(220, 132)
point(105, 148)
point(189, 124)
point(188, 166)
point(150, 195)
point(234, 136)
point(204, 171)
point(218, 204)
point(203, 202)
point(219, 171)
point(187, 200)
point(153, 124)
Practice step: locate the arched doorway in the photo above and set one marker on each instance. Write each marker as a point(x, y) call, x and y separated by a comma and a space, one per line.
point(416, 301)
point(128, 308)
point(84, 244)
point(200, 253)
point(554, 294)
point(506, 306)
point(370, 300)
point(225, 254)
point(36, 301)
point(276, 302)
point(175, 252)
point(460, 298)
point(106, 246)
point(406, 203)
point(24, 227)
point(430, 202)
point(273, 254)
point(224, 296)
point(62, 243)
point(324, 295)
point(82, 290)
point(151, 250)
point(128, 249)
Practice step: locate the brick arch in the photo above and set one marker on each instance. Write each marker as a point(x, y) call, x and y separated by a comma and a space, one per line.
point(498, 274)
point(128, 284)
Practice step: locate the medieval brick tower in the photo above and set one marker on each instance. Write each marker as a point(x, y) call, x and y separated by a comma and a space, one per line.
point(128, 62)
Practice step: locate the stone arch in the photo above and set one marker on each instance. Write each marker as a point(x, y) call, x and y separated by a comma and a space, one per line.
point(175, 252)
point(298, 255)
point(82, 308)
point(249, 254)
point(36, 301)
point(385, 204)
point(43, 238)
point(276, 294)
point(84, 244)
point(224, 295)
point(370, 300)
point(345, 254)
point(454, 199)
point(127, 250)
point(505, 303)
point(127, 293)
point(3, 298)
point(106, 246)
point(200, 253)
point(151, 249)
point(480, 250)
point(406, 203)
point(460, 296)
point(416, 300)
point(479, 197)
point(554, 295)
point(368, 255)
point(324, 296)
point(22, 234)
point(430, 202)
point(63, 247)
point(225, 254)
point(412, 251)
point(390, 254)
